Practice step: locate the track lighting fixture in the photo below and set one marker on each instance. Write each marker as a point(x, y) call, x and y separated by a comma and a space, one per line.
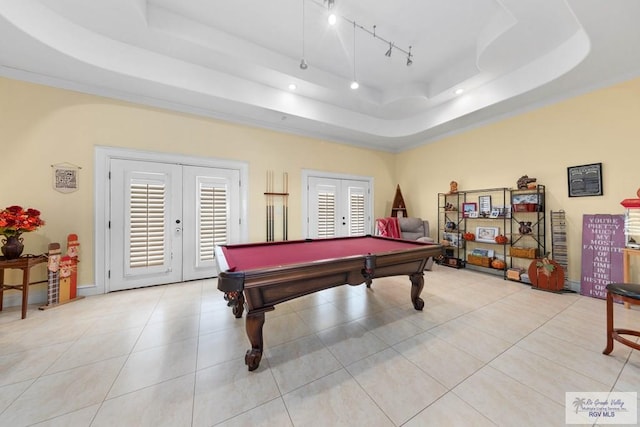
point(354, 83)
point(303, 62)
point(330, 4)
point(392, 45)
point(388, 54)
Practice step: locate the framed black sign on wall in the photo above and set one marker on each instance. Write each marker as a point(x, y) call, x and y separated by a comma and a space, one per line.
point(585, 180)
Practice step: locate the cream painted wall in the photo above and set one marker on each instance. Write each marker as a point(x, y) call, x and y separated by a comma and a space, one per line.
point(602, 126)
point(41, 126)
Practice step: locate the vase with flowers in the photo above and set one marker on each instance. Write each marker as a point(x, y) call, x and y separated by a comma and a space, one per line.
point(15, 220)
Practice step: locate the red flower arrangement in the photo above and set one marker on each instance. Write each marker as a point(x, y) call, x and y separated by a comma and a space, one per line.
point(14, 220)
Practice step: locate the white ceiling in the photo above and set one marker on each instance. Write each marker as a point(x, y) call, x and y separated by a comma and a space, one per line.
point(235, 59)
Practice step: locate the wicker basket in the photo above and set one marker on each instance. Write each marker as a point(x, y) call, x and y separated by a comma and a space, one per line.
point(530, 253)
point(483, 261)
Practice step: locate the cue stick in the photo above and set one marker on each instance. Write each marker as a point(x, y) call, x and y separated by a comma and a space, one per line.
point(285, 203)
point(273, 207)
point(271, 210)
point(267, 207)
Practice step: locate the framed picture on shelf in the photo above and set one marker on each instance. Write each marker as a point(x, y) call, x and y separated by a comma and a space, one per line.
point(495, 213)
point(487, 234)
point(525, 198)
point(473, 214)
point(454, 239)
point(485, 204)
point(469, 207)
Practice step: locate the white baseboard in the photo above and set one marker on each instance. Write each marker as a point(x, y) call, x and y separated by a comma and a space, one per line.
point(38, 295)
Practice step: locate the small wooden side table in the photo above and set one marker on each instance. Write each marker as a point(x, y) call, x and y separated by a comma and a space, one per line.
point(626, 268)
point(23, 263)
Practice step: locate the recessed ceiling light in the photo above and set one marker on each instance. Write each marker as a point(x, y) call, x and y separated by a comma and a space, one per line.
point(354, 85)
point(332, 19)
point(459, 91)
point(292, 86)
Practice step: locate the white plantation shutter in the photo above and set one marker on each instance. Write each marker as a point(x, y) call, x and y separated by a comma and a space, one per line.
point(211, 194)
point(147, 211)
point(326, 214)
point(337, 207)
point(212, 220)
point(356, 212)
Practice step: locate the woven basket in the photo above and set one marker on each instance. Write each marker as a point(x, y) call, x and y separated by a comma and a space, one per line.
point(482, 261)
point(530, 253)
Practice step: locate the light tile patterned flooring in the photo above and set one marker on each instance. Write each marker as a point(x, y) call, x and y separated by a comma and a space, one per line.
point(483, 352)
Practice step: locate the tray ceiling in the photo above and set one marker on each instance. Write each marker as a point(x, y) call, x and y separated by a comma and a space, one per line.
point(235, 60)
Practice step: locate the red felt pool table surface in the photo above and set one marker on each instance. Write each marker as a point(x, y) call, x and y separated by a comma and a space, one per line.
point(274, 254)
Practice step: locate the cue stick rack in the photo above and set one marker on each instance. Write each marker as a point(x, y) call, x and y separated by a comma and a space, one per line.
point(277, 212)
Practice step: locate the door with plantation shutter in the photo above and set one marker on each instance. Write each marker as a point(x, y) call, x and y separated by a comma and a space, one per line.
point(338, 207)
point(165, 220)
point(211, 194)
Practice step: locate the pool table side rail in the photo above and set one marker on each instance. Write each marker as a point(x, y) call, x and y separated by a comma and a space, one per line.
point(268, 287)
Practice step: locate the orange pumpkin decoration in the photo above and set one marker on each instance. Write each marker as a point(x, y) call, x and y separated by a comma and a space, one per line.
point(501, 239)
point(498, 264)
point(469, 236)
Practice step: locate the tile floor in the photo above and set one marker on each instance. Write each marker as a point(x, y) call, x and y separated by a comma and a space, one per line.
point(484, 352)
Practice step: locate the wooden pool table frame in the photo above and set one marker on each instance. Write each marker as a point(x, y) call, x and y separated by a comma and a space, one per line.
point(261, 289)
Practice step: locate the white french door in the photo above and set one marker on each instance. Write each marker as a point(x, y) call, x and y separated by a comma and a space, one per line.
point(165, 220)
point(211, 200)
point(338, 207)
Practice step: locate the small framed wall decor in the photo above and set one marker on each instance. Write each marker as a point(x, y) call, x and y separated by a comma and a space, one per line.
point(585, 180)
point(65, 177)
point(468, 207)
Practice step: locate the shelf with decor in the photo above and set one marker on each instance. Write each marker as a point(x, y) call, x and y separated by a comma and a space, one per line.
point(528, 224)
point(487, 227)
point(399, 207)
point(449, 228)
point(496, 230)
point(469, 222)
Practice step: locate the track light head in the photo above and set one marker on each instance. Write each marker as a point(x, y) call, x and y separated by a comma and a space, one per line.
point(303, 64)
point(409, 60)
point(388, 54)
point(330, 4)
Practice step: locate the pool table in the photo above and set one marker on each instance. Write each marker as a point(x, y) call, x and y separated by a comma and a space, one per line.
point(266, 274)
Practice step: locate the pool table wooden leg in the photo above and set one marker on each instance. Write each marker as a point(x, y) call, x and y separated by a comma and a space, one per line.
point(254, 324)
point(239, 306)
point(417, 283)
point(235, 300)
